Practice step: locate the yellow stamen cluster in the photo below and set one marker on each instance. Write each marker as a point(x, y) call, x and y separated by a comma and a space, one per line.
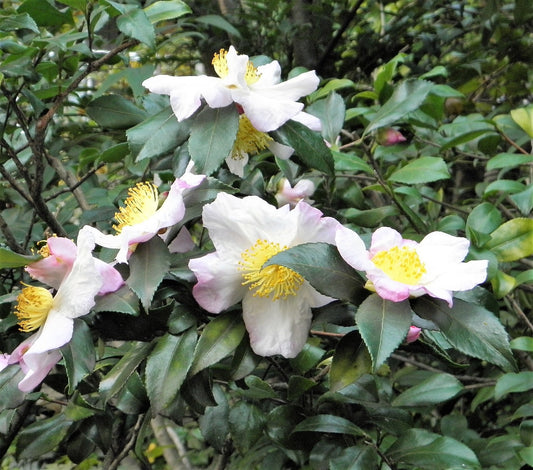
point(220, 65)
point(141, 203)
point(249, 140)
point(44, 251)
point(33, 305)
point(401, 264)
point(275, 279)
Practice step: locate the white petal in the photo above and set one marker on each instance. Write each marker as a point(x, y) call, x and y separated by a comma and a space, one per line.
point(460, 276)
point(277, 327)
point(165, 84)
point(182, 243)
point(37, 368)
point(219, 282)
point(290, 90)
point(269, 74)
point(236, 165)
point(438, 247)
point(215, 93)
point(237, 64)
point(311, 226)
point(279, 150)
point(352, 248)
point(383, 239)
point(308, 120)
point(56, 332)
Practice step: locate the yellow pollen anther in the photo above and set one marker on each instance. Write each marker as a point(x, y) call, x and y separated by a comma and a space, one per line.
point(220, 64)
point(400, 264)
point(275, 279)
point(32, 308)
point(141, 203)
point(44, 251)
point(249, 140)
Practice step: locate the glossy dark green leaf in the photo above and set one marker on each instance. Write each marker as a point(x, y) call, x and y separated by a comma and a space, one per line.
point(115, 153)
point(213, 134)
point(513, 383)
point(298, 385)
point(407, 97)
point(122, 300)
point(421, 170)
point(369, 217)
point(135, 24)
point(117, 377)
point(246, 424)
point(330, 424)
point(148, 264)
point(214, 422)
point(481, 221)
point(167, 367)
point(307, 144)
point(10, 395)
point(350, 361)
point(45, 14)
point(383, 326)
point(10, 259)
point(424, 449)
point(356, 458)
point(512, 240)
point(132, 398)
point(434, 390)
point(79, 355)
point(322, 266)
point(115, 112)
point(219, 339)
point(157, 135)
point(166, 10)
point(257, 389)
point(469, 328)
point(280, 422)
point(42, 436)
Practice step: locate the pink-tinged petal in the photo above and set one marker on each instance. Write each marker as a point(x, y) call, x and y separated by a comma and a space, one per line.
point(111, 278)
point(182, 243)
point(56, 332)
point(434, 290)
point(413, 334)
point(383, 239)
point(37, 367)
point(21, 349)
point(62, 248)
point(389, 289)
point(219, 283)
point(264, 112)
point(281, 151)
point(308, 120)
point(4, 361)
point(289, 195)
point(352, 249)
point(277, 327)
point(311, 226)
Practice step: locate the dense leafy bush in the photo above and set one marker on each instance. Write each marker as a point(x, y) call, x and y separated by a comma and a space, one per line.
point(186, 340)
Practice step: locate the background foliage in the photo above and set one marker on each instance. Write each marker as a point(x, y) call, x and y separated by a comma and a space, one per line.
point(152, 380)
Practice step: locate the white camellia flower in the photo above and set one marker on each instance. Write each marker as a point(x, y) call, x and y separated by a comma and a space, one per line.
point(265, 99)
point(276, 301)
point(53, 316)
point(141, 218)
point(398, 268)
point(302, 191)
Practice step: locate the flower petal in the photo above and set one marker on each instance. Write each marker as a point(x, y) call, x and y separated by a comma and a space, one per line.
point(219, 283)
point(383, 239)
point(37, 368)
point(56, 332)
point(352, 249)
point(281, 151)
point(439, 248)
point(277, 327)
point(308, 120)
point(289, 90)
point(311, 226)
point(236, 165)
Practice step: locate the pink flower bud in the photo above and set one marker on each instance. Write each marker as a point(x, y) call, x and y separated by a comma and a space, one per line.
point(413, 334)
point(389, 136)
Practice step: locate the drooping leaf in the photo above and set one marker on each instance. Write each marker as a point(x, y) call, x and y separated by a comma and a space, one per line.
point(421, 170)
point(10, 259)
point(132, 398)
point(407, 97)
point(219, 339)
point(512, 240)
point(148, 264)
point(167, 367)
point(469, 328)
point(122, 301)
point(322, 266)
point(383, 326)
point(42, 436)
point(219, 22)
point(10, 395)
point(79, 355)
point(307, 144)
point(434, 390)
point(213, 133)
point(115, 112)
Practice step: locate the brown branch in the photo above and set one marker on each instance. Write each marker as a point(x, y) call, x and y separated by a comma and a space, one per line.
point(10, 238)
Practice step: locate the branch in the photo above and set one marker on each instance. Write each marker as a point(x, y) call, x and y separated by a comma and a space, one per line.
point(10, 238)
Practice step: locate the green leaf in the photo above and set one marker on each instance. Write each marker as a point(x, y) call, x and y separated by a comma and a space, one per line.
point(469, 328)
point(350, 361)
point(219, 22)
point(331, 112)
point(350, 162)
point(10, 259)
point(78, 4)
point(512, 240)
point(383, 326)
point(257, 389)
point(10, 395)
point(115, 112)
point(522, 343)
point(503, 186)
point(214, 422)
point(307, 144)
point(298, 385)
point(434, 390)
point(421, 170)
point(331, 85)
point(246, 424)
point(330, 424)
point(115, 380)
point(512, 383)
point(79, 355)
point(213, 134)
point(45, 14)
point(122, 301)
point(148, 265)
point(132, 398)
point(157, 135)
point(166, 10)
point(356, 458)
point(524, 200)
point(407, 97)
point(135, 24)
point(524, 118)
point(463, 138)
point(508, 161)
point(481, 221)
point(322, 266)
point(17, 22)
point(220, 338)
point(426, 450)
point(42, 437)
point(167, 367)
point(370, 217)
point(115, 153)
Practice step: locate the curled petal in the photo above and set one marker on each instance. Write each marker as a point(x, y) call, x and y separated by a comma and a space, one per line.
point(352, 249)
point(36, 367)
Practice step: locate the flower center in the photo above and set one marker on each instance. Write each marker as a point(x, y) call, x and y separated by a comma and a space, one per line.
point(220, 64)
point(44, 251)
point(32, 308)
point(400, 264)
point(141, 204)
point(249, 140)
point(275, 279)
